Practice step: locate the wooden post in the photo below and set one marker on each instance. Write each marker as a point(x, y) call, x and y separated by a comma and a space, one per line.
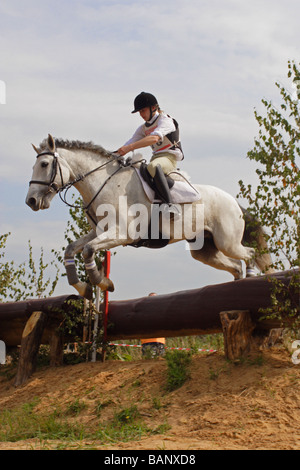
point(237, 329)
point(56, 343)
point(31, 340)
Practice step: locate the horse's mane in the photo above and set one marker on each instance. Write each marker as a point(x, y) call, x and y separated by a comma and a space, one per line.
point(77, 145)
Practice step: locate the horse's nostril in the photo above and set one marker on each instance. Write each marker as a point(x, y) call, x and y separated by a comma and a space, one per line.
point(31, 202)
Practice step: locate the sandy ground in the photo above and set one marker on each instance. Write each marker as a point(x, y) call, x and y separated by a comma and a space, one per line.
point(250, 405)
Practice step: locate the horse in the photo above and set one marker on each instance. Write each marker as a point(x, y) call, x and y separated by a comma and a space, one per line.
point(105, 182)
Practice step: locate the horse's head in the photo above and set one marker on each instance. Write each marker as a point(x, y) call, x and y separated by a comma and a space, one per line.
point(49, 175)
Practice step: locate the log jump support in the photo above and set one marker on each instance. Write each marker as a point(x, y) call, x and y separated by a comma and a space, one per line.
point(237, 327)
point(29, 324)
point(30, 344)
point(31, 340)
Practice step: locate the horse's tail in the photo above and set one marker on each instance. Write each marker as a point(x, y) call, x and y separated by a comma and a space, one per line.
point(254, 235)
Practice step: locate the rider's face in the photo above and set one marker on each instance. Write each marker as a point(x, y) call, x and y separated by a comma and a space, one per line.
point(145, 113)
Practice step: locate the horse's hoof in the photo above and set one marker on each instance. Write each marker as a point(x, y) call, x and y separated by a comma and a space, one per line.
point(111, 287)
point(106, 284)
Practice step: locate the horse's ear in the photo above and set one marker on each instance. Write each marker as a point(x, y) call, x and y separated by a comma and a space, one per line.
point(51, 143)
point(37, 151)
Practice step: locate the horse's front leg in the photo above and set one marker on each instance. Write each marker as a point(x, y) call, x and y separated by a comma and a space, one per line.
point(97, 277)
point(75, 247)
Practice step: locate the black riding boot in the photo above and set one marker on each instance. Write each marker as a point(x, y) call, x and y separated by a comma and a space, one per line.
point(163, 190)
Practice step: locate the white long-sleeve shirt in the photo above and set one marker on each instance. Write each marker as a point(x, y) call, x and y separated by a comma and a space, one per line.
point(166, 128)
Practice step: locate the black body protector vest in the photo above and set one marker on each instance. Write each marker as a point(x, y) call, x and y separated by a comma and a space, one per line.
point(170, 142)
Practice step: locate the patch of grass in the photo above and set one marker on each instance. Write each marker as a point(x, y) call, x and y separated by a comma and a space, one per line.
point(178, 370)
point(75, 407)
point(136, 383)
point(213, 341)
point(249, 361)
point(214, 373)
point(109, 432)
point(127, 415)
point(23, 423)
point(257, 361)
point(127, 425)
point(100, 405)
point(156, 403)
point(161, 428)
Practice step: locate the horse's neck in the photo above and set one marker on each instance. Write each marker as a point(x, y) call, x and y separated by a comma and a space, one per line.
point(81, 162)
point(124, 182)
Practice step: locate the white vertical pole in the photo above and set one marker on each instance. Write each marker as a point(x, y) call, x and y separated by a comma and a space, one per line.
point(96, 322)
point(2, 352)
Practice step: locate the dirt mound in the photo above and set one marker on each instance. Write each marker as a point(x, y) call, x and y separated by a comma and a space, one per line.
point(250, 405)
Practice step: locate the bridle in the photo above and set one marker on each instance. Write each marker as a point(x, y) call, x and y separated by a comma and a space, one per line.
point(56, 165)
point(52, 186)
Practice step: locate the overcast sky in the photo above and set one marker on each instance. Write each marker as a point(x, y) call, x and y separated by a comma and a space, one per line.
point(73, 68)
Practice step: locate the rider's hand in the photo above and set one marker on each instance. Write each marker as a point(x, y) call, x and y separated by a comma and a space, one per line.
point(123, 150)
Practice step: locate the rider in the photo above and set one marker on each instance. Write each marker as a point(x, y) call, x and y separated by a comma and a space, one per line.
point(161, 132)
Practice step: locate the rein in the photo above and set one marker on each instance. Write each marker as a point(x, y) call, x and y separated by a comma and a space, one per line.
point(65, 187)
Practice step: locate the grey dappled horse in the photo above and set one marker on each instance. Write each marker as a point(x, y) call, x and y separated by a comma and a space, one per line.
point(103, 181)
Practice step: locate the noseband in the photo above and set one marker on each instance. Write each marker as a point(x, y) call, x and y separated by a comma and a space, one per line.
point(55, 165)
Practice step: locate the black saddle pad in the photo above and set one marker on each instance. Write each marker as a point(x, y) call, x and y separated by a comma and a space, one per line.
point(146, 241)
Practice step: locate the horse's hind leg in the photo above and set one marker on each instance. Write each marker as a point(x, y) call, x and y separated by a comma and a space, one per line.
point(228, 239)
point(210, 255)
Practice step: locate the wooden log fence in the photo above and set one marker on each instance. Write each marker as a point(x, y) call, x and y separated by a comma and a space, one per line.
point(232, 308)
point(15, 315)
point(31, 323)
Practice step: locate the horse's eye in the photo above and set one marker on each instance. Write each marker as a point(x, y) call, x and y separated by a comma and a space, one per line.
point(44, 164)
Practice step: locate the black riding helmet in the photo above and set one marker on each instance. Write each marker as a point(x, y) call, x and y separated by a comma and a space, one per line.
point(144, 100)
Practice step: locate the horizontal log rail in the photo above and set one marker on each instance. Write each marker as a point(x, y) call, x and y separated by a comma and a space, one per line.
point(194, 312)
point(14, 316)
point(183, 313)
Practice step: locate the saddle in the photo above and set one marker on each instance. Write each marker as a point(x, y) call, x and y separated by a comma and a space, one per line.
point(150, 181)
point(183, 192)
point(147, 242)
